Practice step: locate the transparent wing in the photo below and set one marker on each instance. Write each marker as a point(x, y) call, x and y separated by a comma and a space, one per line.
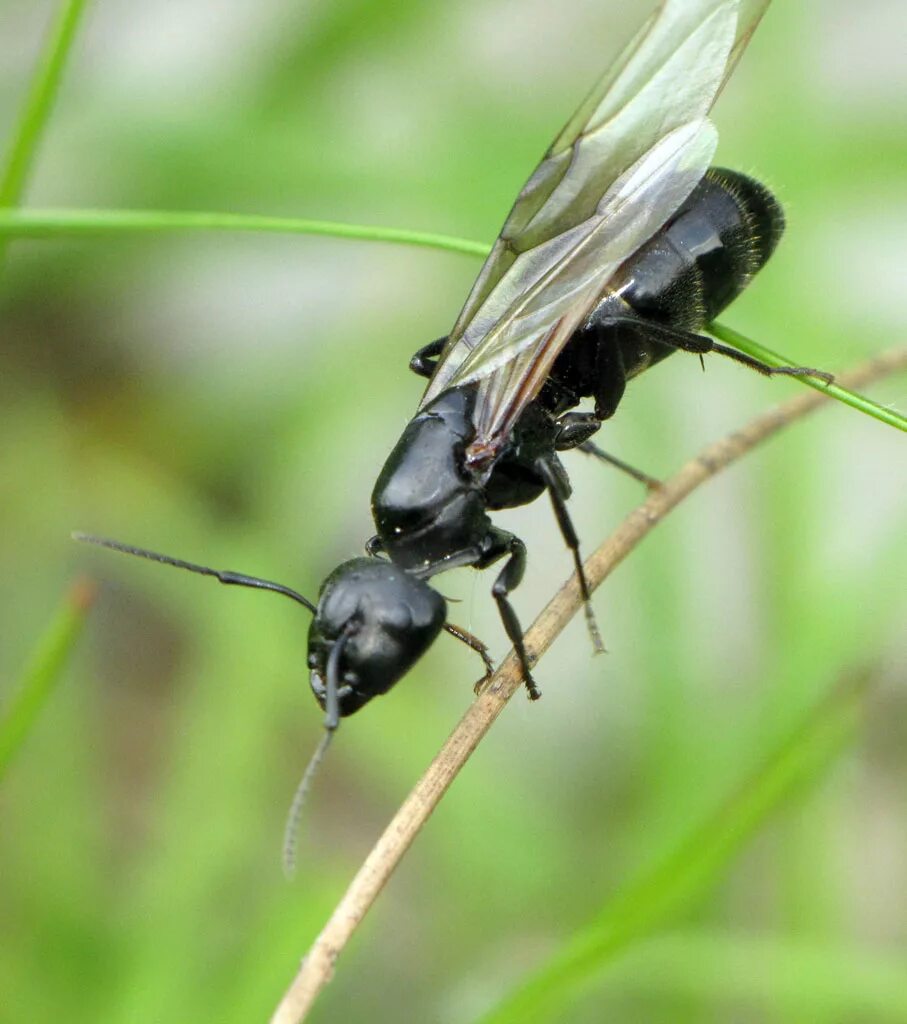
point(562, 280)
point(641, 128)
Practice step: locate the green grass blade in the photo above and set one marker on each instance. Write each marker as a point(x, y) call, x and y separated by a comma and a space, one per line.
point(691, 870)
point(42, 673)
point(59, 223)
point(851, 398)
point(36, 111)
point(63, 223)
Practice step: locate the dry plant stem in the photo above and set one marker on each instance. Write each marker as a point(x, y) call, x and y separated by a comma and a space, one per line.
point(317, 967)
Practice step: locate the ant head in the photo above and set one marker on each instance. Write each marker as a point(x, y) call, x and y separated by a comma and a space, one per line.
point(373, 622)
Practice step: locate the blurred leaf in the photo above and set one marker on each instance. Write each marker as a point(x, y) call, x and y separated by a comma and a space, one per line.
point(692, 868)
point(44, 671)
point(36, 111)
point(817, 980)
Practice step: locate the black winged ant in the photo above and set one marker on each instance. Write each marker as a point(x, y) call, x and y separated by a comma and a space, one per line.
point(621, 248)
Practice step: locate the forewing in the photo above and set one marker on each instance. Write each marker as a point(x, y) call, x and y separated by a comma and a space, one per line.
point(667, 78)
point(748, 17)
point(557, 284)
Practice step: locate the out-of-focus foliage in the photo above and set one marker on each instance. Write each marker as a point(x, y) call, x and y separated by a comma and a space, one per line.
point(23, 703)
point(230, 400)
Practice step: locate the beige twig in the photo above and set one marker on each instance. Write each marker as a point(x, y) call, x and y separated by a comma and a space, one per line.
point(318, 966)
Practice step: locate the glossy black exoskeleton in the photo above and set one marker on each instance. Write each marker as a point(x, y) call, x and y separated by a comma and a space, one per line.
point(376, 616)
point(373, 621)
point(432, 498)
point(620, 249)
point(388, 619)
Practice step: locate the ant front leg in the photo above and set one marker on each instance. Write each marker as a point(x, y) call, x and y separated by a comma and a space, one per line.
point(509, 579)
point(464, 636)
point(425, 361)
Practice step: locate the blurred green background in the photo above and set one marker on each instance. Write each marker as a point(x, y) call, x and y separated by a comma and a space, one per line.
point(230, 398)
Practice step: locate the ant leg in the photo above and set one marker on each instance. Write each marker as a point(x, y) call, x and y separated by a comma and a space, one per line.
point(689, 341)
point(610, 372)
point(771, 371)
point(575, 430)
point(559, 489)
point(476, 644)
point(610, 375)
point(509, 579)
point(425, 360)
point(373, 546)
point(591, 448)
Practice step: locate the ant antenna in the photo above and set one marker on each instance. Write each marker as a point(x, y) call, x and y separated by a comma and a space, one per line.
point(332, 696)
point(229, 578)
point(294, 815)
point(331, 722)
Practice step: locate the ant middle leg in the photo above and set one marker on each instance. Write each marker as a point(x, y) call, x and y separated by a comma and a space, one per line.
point(575, 430)
point(591, 448)
point(609, 381)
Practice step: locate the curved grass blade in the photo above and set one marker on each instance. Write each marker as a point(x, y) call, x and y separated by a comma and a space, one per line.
point(851, 398)
point(692, 869)
point(63, 223)
point(41, 94)
point(43, 672)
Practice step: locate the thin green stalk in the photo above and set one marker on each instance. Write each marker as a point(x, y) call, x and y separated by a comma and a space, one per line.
point(36, 111)
point(42, 673)
point(66, 222)
point(57, 223)
point(690, 870)
point(752, 348)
